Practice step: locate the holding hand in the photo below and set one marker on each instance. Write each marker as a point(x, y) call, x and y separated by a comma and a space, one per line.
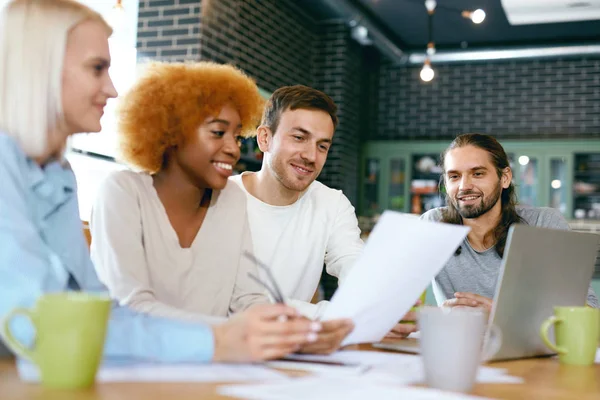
point(407, 326)
point(469, 300)
point(329, 337)
point(263, 332)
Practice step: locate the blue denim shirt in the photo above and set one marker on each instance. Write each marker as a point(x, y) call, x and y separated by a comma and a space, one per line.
point(43, 249)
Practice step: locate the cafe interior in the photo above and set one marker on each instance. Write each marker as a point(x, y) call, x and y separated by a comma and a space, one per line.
point(406, 80)
point(408, 76)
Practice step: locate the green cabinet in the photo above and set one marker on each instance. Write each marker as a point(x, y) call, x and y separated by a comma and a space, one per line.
point(405, 175)
point(586, 186)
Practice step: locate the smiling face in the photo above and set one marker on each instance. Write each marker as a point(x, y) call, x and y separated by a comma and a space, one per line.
point(86, 85)
point(472, 181)
point(208, 157)
point(296, 153)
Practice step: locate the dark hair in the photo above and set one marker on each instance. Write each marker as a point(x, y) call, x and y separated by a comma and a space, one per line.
point(297, 97)
point(508, 198)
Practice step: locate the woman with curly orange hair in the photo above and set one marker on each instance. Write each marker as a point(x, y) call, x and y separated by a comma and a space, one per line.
point(56, 86)
point(168, 240)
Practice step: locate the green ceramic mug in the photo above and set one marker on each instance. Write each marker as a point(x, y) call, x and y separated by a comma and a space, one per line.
point(576, 331)
point(416, 308)
point(69, 341)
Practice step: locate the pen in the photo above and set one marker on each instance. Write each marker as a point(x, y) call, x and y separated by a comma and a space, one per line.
point(274, 291)
point(324, 362)
point(363, 367)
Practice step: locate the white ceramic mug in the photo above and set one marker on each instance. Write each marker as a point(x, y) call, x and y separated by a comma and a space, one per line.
point(453, 344)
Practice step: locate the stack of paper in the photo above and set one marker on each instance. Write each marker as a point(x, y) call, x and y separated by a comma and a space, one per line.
point(129, 371)
point(327, 388)
point(380, 367)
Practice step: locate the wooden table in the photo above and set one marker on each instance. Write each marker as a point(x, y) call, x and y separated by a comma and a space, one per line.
point(544, 378)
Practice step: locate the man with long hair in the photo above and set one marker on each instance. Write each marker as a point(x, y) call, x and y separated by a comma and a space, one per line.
point(480, 194)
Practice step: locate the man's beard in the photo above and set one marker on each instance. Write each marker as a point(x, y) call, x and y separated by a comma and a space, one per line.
point(278, 169)
point(477, 210)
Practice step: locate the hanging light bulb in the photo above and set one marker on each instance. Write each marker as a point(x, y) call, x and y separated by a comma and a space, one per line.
point(427, 73)
point(430, 49)
point(476, 16)
point(523, 160)
point(116, 16)
point(430, 5)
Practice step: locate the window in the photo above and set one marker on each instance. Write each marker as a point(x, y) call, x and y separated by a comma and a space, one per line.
point(123, 71)
point(92, 155)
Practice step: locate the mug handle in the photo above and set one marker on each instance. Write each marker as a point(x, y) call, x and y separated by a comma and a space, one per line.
point(544, 334)
point(492, 342)
point(13, 343)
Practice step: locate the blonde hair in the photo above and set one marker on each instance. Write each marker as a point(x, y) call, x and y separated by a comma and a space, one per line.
point(33, 38)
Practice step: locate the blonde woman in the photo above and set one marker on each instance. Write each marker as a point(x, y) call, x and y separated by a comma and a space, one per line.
point(54, 82)
point(169, 239)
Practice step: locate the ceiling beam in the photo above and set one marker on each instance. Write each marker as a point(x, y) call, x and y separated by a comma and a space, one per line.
point(352, 15)
point(506, 53)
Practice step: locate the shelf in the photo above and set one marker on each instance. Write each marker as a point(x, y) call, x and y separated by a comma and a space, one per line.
point(585, 225)
point(592, 194)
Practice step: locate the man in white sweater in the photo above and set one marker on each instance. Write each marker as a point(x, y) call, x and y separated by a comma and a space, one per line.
point(299, 224)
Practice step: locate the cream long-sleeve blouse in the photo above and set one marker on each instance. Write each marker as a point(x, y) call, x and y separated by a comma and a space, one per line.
point(137, 255)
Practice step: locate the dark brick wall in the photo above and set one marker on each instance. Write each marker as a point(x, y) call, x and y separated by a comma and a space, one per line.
point(553, 98)
point(272, 40)
point(337, 71)
point(168, 30)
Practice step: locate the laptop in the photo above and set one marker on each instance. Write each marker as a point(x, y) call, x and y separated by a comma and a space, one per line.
point(541, 268)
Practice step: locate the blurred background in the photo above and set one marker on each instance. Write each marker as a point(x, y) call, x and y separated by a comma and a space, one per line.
point(407, 75)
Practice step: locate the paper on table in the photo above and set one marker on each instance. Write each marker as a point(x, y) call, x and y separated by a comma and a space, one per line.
point(351, 362)
point(357, 357)
point(598, 356)
point(327, 388)
point(382, 367)
point(320, 369)
point(119, 371)
point(402, 255)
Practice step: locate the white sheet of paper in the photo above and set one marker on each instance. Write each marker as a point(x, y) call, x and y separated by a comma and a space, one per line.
point(357, 357)
point(598, 356)
point(119, 371)
point(381, 367)
point(327, 388)
point(319, 369)
point(402, 255)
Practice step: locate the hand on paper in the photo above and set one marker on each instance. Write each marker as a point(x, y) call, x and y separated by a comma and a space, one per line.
point(405, 327)
point(469, 300)
point(330, 337)
point(263, 332)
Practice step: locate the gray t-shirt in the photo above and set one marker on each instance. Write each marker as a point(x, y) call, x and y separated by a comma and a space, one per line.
point(477, 271)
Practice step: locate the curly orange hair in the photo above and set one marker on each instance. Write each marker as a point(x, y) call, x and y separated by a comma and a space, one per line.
point(171, 100)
